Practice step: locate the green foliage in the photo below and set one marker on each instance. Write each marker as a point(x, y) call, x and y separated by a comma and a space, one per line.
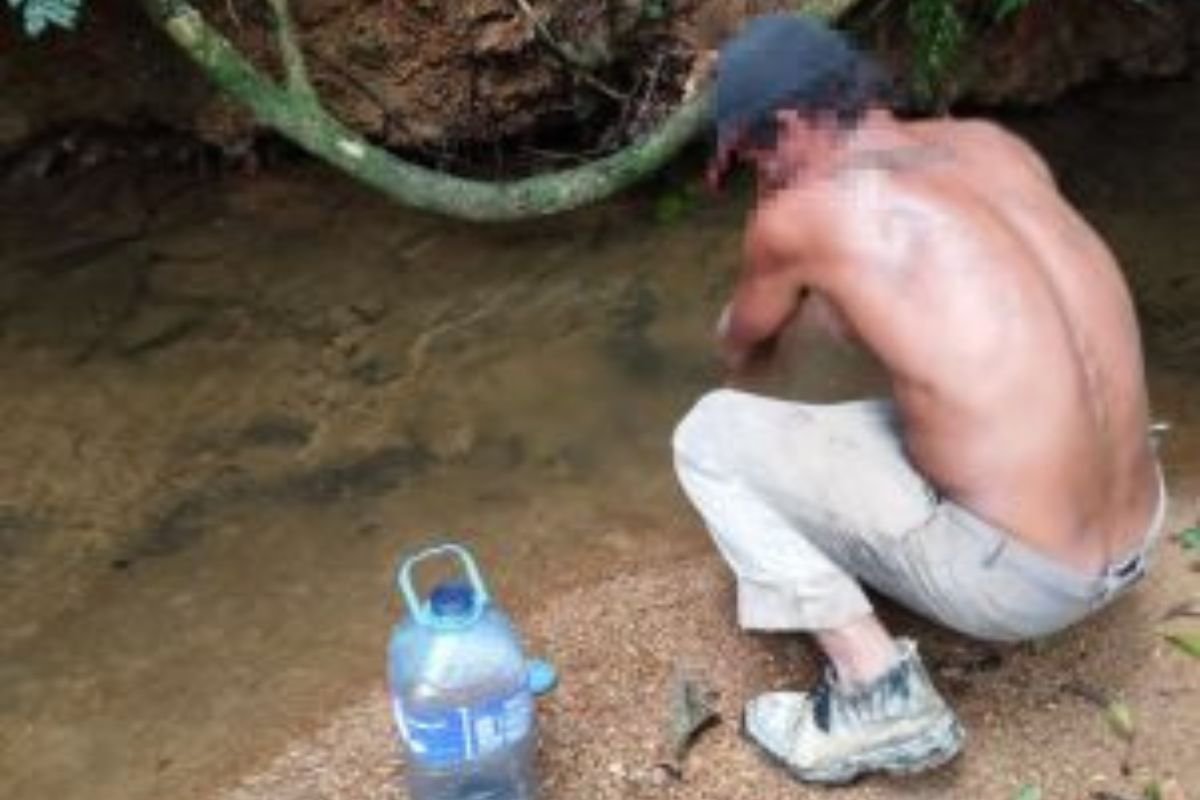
point(1190, 539)
point(938, 32)
point(38, 15)
point(1006, 8)
point(656, 9)
point(676, 204)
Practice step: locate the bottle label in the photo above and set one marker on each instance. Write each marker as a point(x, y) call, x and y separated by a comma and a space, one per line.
point(458, 735)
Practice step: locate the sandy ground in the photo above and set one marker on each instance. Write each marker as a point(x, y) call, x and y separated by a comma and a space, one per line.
point(621, 643)
point(232, 405)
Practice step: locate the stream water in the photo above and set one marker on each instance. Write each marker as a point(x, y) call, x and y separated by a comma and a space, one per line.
point(232, 404)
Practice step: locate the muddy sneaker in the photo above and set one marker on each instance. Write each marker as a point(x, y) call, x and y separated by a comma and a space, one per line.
point(898, 724)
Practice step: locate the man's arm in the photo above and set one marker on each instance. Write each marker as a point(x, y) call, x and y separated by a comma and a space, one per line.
point(768, 293)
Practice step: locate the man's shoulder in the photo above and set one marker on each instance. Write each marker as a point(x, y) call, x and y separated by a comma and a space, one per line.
point(782, 215)
point(977, 137)
point(941, 127)
point(792, 222)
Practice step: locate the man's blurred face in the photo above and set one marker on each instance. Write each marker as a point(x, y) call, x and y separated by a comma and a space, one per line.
point(777, 155)
point(799, 142)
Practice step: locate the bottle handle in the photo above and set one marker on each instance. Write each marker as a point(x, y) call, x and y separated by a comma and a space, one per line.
point(415, 607)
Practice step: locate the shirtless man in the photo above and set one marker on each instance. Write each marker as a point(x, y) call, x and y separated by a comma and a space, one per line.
point(1006, 489)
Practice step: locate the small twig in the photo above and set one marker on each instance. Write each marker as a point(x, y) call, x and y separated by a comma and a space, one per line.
point(651, 85)
point(633, 110)
point(599, 85)
point(231, 10)
point(294, 67)
point(555, 155)
point(564, 50)
point(581, 66)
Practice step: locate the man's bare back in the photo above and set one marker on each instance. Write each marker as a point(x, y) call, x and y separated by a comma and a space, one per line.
point(1003, 321)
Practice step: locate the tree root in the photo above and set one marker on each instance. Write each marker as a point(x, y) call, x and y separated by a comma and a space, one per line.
point(294, 110)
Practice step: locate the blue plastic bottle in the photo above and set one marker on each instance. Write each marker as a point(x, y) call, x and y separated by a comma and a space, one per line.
point(460, 693)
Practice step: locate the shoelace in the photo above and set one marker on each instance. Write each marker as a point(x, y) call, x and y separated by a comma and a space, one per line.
point(822, 699)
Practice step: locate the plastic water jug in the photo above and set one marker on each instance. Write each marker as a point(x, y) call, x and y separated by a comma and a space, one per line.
point(461, 693)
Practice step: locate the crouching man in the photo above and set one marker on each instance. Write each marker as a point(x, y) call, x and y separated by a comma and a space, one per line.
point(1006, 487)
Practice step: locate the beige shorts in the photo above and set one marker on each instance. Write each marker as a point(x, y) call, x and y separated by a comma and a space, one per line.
point(804, 501)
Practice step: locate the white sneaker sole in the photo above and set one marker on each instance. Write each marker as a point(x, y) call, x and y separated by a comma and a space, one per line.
point(933, 747)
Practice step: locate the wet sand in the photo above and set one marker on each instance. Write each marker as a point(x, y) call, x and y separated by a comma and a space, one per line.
point(233, 406)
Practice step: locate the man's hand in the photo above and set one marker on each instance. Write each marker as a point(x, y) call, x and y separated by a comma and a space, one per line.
point(745, 363)
point(768, 294)
point(731, 353)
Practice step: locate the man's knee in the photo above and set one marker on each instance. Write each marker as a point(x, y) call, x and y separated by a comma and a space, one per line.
point(698, 438)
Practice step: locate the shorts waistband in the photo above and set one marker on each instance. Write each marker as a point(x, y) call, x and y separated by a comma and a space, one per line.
point(1001, 547)
point(1132, 566)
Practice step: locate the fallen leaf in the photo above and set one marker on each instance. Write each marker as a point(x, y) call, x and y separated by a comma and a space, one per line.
point(1120, 719)
point(692, 710)
point(1188, 608)
point(1118, 713)
point(1187, 642)
point(1028, 792)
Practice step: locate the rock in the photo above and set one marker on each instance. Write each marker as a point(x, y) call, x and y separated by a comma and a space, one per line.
point(15, 126)
point(453, 442)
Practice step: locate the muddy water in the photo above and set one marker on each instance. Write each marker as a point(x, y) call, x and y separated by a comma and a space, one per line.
point(231, 405)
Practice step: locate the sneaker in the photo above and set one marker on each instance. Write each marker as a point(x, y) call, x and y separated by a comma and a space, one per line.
point(899, 724)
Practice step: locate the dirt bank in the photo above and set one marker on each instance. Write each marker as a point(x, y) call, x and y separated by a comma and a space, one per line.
point(444, 79)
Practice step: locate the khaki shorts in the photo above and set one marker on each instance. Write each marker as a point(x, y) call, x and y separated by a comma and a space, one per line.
point(804, 501)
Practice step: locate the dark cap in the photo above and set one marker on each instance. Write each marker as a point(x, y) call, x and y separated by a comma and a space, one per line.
point(777, 58)
point(452, 599)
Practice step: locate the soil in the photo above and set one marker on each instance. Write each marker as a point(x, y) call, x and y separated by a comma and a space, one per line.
point(433, 79)
point(474, 86)
point(235, 402)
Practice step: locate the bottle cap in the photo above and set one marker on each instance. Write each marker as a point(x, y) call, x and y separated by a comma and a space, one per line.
point(541, 676)
point(452, 600)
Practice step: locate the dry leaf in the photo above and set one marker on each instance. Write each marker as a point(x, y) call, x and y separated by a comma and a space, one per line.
point(692, 710)
point(1118, 713)
point(1120, 719)
point(1187, 642)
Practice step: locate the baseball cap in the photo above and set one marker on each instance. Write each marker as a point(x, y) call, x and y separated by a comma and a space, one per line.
point(778, 57)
